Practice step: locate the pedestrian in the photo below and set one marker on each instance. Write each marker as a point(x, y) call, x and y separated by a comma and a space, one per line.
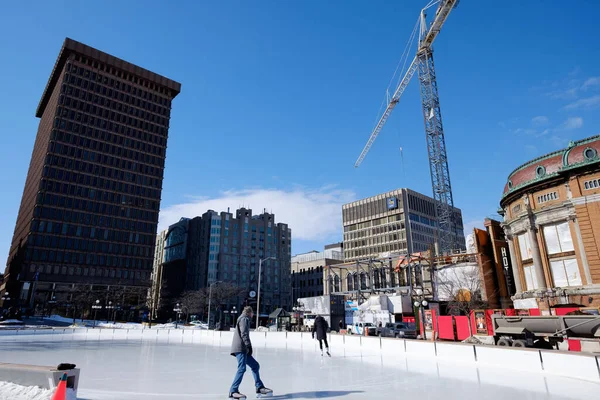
point(241, 349)
point(341, 326)
point(320, 328)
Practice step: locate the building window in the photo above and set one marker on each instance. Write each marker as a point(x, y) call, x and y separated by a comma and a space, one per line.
point(525, 247)
point(530, 277)
point(547, 197)
point(561, 254)
point(590, 154)
point(593, 184)
point(510, 184)
point(540, 171)
point(558, 238)
point(565, 272)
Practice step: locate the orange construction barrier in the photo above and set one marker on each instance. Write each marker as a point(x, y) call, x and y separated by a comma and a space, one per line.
point(61, 389)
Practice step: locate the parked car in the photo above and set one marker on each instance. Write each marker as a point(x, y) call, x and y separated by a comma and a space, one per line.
point(359, 328)
point(199, 324)
point(399, 330)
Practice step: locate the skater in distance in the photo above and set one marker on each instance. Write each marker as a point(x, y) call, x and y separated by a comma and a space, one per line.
point(241, 349)
point(320, 327)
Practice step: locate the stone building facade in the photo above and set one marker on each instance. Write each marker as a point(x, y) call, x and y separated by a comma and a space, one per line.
point(551, 209)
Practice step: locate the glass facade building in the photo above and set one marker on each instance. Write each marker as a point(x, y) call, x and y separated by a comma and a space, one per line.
point(90, 206)
point(227, 247)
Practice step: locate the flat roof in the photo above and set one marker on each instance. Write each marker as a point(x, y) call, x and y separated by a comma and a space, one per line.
point(71, 46)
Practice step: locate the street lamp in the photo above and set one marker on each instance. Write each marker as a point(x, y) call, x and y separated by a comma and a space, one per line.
point(177, 309)
point(96, 307)
point(421, 303)
point(111, 308)
point(52, 302)
point(258, 295)
point(5, 299)
point(233, 314)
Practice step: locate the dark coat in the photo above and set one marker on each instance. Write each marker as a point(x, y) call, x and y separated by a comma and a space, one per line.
point(320, 328)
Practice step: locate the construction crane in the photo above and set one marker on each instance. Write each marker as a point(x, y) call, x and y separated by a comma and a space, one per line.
point(436, 145)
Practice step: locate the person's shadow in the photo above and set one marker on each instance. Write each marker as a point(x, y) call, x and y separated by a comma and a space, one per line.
point(321, 394)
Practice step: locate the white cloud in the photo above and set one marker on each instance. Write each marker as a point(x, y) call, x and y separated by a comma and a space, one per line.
point(590, 82)
point(572, 123)
point(540, 120)
point(470, 225)
point(588, 102)
point(312, 214)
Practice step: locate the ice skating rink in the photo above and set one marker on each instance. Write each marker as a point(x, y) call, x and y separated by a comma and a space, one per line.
point(128, 370)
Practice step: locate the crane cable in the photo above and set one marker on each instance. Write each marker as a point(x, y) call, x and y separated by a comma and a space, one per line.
point(403, 61)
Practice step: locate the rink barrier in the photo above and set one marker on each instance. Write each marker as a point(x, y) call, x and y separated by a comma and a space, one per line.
point(568, 364)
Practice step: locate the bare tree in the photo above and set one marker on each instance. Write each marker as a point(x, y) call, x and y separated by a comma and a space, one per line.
point(192, 302)
point(221, 293)
point(82, 299)
point(461, 285)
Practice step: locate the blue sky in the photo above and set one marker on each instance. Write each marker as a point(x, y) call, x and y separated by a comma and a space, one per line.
point(279, 97)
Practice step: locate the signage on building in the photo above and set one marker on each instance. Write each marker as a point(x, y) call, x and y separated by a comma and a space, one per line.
point(252, 294)
point(506, 267)
point(392, 203)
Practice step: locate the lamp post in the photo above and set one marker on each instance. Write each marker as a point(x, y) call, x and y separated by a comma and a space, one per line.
point(233, 314)
point(421, 303)
point(52, 302)
point(258, 295)
point(210, 298)
point(96, 307)
point(108, 313)
point(177, 309)
point(5, 299)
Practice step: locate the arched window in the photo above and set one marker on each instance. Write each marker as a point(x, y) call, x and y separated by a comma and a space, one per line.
point(350, 282)
point(336, 281)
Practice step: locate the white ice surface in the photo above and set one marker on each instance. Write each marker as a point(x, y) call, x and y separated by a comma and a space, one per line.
point(131, 370)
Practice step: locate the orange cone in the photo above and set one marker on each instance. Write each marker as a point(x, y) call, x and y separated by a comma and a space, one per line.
point(61, 389)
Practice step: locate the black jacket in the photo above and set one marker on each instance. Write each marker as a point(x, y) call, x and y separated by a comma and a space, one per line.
point(320, 328)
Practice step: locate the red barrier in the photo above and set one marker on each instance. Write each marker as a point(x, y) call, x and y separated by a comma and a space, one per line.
point(446, 327)
point(462, 327)
point(574, 345)
point(534, 312)
point(565, 311)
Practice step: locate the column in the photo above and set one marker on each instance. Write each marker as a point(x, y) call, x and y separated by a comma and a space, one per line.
point(537, 258)
point(584, 261)
point(515, 264)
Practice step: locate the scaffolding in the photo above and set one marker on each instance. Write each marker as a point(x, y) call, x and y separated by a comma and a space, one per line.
point(400, 274)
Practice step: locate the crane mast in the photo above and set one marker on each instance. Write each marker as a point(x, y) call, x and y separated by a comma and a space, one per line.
point(436, 144)
point(434, 131)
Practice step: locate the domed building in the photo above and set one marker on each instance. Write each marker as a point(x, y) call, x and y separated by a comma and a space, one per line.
point(551, 209)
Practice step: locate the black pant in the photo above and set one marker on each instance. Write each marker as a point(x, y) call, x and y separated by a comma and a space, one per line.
point(321, 344)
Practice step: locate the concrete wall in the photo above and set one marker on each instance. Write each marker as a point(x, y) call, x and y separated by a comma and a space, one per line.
point(416, 354)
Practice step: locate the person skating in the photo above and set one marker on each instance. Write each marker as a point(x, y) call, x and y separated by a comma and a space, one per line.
point(320, 328)
point(241, 349)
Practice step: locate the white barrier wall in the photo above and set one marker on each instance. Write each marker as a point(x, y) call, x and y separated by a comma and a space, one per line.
point(415, 355)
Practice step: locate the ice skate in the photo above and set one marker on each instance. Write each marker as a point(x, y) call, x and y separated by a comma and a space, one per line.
point(237, 396)
point(328, 353)
point(263, 392)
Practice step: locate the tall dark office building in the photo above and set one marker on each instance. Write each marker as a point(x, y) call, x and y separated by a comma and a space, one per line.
point(91, 200)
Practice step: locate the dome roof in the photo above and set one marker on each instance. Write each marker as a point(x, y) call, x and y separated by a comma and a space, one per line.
point(578, 154)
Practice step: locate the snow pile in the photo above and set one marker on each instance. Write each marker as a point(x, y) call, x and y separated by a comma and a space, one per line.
point(12, 391)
